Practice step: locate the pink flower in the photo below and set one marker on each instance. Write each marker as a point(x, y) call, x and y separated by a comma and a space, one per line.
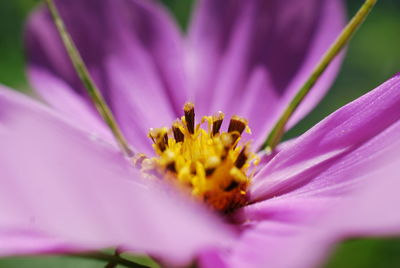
point(65, 187)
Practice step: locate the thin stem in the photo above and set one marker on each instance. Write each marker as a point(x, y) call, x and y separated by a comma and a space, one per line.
point(115, 259)
point(112, 264)
point(277, 132)
point(87, 81)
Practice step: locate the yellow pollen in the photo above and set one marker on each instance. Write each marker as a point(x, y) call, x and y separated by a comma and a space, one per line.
point(213, 165)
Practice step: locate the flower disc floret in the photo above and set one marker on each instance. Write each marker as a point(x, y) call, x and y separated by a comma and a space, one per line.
point(212, 165)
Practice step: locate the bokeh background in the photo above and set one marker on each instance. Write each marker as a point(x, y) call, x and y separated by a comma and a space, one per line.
point(373, 56)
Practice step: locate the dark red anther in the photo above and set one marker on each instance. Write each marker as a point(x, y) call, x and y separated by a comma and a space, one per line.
point(189, 116)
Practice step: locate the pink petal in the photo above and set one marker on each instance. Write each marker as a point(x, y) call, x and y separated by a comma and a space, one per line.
point(277, 245)
point(71, 104)
point(302, 230)
point(338, 180)
point(373, 210)
point(241, 49)
point(133, 50)
point(65, 190)
point(329, 159)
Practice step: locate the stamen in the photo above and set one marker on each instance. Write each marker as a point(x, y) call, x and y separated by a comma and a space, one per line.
point(160, 138)
point(236, 127)
point(170, 161)
point(231, 186)
point(165, 137)
point(217, 122)
point(211, 164)
point(237, 124)
point(226, 140)
point(178, 134)
point(189, 116)
point(241, 159)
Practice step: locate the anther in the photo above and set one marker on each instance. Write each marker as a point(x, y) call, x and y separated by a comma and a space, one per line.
point(189, 116)
point(217, 122)
point(160, 138)
point(165, 137)
point(151, 135)
point(235, 136)
point(231, 186)
point(170, 161)
point(237, 124)
point(241, 159)
point(178, 135)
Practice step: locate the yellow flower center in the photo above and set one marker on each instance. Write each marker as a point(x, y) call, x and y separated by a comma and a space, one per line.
point(212, 165)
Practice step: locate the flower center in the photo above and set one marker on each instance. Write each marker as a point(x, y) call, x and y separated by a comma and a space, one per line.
point(212, 165)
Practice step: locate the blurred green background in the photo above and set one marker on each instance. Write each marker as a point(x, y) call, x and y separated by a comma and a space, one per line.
point(373, 57)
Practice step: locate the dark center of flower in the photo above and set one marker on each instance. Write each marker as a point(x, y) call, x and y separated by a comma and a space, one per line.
point(211, 164)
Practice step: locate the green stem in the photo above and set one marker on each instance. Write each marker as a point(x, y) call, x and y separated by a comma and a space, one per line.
point(277, 132)
point(87, 81)
point(115, 259)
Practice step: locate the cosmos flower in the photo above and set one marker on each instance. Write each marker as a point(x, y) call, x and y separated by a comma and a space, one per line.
point(66, 187)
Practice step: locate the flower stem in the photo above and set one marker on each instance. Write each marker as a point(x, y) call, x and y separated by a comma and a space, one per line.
point(277, 132)
point(115, 259)
point(87, 81)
